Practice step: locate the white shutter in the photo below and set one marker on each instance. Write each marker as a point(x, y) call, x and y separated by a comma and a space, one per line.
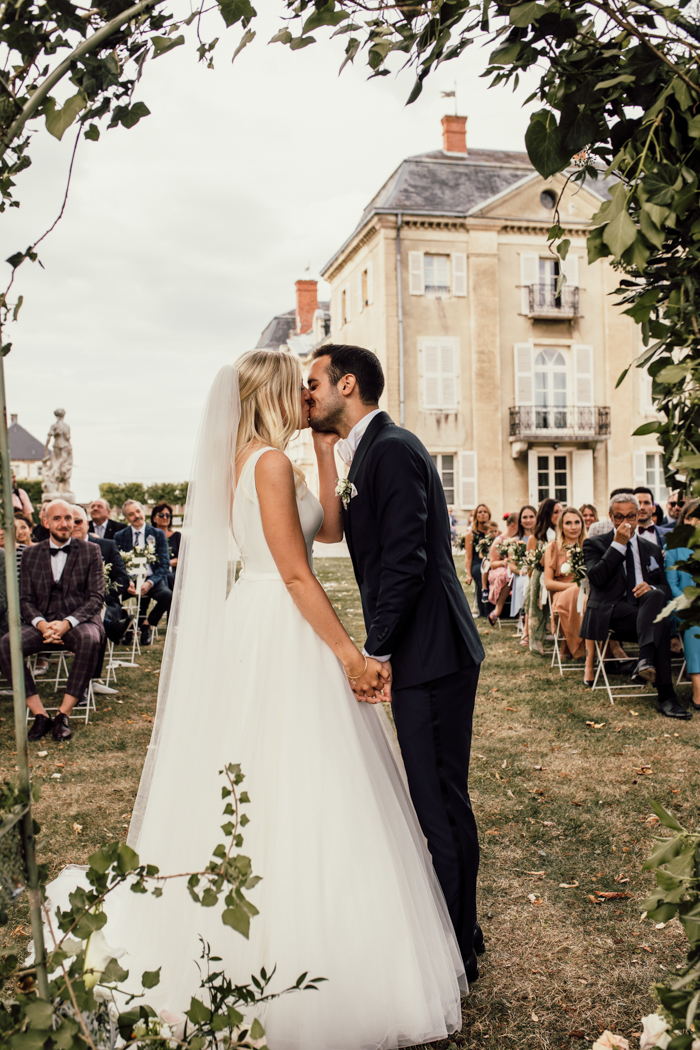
point(529, 274)
point(646, 400)
point(467, 481)
point(416, 284)
point(430, 353)
point(448, 377)
point(524, 375)
point(459, 273)
point(582, 481)
point(639, 468)
point(583, 374)
point(532, 476)
point(370, 283)
point(359, 292)
point(569, 267)
point(348, 296)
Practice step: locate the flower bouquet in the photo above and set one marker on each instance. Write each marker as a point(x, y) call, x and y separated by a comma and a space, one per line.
point(484, 546)
point(459, 543)
point(534, 559)
point(575, 565)
point(140, 556)
point(517, 550)
point(110, 584)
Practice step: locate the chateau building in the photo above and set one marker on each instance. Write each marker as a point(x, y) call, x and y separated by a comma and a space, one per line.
point(26, 451)
point(508, 379)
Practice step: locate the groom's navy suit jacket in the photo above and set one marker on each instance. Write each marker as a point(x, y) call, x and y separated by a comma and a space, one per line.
point(398, 535)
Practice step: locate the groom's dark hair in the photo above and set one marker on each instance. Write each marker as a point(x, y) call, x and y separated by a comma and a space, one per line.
point(357, 362)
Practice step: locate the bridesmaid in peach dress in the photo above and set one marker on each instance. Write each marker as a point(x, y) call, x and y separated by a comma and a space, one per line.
point(571, 532)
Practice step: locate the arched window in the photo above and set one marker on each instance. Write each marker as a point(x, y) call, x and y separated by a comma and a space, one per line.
point(550, 390)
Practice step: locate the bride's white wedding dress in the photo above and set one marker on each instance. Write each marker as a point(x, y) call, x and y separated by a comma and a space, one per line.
point(348, 890)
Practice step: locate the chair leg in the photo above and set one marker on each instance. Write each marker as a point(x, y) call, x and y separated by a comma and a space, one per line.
point(681, 673)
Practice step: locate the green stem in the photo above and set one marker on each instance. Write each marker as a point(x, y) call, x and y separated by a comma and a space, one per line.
point(60, 71)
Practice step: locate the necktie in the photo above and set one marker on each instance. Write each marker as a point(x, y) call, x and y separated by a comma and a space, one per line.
point(631, 575)
point(138, 542)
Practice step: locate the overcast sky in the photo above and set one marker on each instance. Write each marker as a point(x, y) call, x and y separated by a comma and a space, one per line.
point(183, 236)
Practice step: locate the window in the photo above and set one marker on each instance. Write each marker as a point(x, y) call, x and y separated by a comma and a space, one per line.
point(436, 270)
point(646, 401)
point(439, 368)
point(550, 476)
point(649, 471)
point(445, 466)
point(550, 390)
point(547, 287)
point(363, 288)
point(345, 306)
point(548, 199)
point(365, 293)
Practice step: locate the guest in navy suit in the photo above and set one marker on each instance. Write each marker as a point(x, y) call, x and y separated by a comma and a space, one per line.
point(396, 525)
point(155, 586)
point(646, 526)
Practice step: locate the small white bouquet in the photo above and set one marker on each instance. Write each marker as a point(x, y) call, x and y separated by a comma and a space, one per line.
point(346, 490)
point(140, 556)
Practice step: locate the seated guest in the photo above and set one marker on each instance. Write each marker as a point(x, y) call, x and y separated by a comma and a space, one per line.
point(155, 585)
point(678, 580)
point(544, 532)
point(20, 499)
point(101, 525)
point(628, 591)
point(564, 591)
point(589, 515)
point(646, 526)
point(40, 533)
point(674, 507)
point(61, 597)
point(116, 619)
point(499, 573)
point(161, 518)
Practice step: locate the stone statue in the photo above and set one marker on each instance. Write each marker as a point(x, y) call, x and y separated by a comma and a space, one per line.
point(58, 461)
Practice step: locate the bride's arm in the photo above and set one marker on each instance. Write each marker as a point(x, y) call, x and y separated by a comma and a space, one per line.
point(275, 484)
point(332, 529)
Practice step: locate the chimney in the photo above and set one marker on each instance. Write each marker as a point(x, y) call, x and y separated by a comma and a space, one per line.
point(13, 418)
point(307, 305)
point(454, 134)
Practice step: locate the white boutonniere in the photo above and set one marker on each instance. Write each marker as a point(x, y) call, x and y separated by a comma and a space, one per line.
point(346, 490)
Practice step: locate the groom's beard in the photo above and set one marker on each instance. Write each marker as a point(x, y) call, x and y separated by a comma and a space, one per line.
point(329, 422)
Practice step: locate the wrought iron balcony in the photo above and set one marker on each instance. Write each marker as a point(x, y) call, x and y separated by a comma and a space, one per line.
point(565, 423)
point(543, 302)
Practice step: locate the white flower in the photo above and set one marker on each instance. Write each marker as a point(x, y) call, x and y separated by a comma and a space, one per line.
point(175, 1022)
point(611, 1041)
point(565, 569)
point(695, 1045)
point(655, 1033)
point(97, 955)
point(346, 490)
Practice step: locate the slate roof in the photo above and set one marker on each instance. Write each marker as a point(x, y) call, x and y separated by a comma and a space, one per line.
point(441, 183)
point(281, 328)
point(23, 445)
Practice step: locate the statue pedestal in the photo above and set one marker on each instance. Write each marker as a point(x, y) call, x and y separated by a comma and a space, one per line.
point(68, 497)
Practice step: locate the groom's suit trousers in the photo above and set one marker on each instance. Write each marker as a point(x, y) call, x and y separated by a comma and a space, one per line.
point(434, 726)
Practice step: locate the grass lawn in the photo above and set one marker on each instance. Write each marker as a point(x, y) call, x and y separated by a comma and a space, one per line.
point(563, 813)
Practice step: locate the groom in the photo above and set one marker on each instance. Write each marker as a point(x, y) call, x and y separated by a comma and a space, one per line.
point(415, 611)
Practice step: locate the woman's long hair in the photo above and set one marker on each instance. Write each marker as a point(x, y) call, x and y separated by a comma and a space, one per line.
point(560, 538)
point(544, 518)
point(270, 382)
point(474, 523)
point(521, 529)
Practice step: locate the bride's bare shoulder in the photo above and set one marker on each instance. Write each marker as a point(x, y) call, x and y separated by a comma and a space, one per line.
point(273, 467)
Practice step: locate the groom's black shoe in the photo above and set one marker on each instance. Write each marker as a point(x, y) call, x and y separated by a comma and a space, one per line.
point(471, 968)
point(479, 945)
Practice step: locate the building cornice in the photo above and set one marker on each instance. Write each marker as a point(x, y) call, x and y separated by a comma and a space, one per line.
point(352, 251)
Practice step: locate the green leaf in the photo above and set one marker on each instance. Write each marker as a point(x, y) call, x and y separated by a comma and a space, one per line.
point(162, 44)
point(113, 973)
point(326, 16)
point(209, 898)
point(63, 1036)
point(127, 859)
point(543, 143)
point(672, 374)
point(18, 307)
point(563, 248)
point(256, 1030)
point(59, 120)
point(524, 14)
point(233, 11)
point(650, 230)
point(694, 126)
point(667, 819)
point(39, 1013)
point(620, 234)
point(198, 1013)
point(237, 918)
point(647, 428)
point(301, 41)
point(92, 133)
point(150, 978)
point(283, 37)
point(682, 93)
point(30, 1040)
point(247, 37)
point(624, 78)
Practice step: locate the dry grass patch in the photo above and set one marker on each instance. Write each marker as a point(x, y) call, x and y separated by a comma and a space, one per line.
point(563, 812)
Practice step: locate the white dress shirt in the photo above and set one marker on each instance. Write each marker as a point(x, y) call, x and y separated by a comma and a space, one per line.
point(638, 574)
point(138, 537)
point(348, 447)
point(648, 532)
point(58, 564)
point(346, 450)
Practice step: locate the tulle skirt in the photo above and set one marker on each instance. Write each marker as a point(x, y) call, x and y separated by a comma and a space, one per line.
point(348, 891)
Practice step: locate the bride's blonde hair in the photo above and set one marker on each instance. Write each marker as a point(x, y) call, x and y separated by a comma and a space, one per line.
point(269, 383)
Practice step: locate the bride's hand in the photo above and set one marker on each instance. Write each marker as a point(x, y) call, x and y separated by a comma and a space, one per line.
point(374, 684)
point(324, 441)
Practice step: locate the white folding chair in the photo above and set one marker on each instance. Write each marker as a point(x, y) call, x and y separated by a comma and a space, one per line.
point(633, 691)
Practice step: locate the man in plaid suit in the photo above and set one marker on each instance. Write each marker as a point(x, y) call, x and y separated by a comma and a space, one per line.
point(62, 592)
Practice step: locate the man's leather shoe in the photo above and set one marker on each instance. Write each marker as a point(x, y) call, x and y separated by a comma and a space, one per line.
point(61, 727)
point(669, 706)
point(471, 968)
point(146, 634)
point(479, 945)
point(42, 724)
point(624, 667)
point(645, 671)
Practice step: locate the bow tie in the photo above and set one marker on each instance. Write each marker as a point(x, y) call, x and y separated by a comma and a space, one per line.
point(646, 528)
point(59, 550)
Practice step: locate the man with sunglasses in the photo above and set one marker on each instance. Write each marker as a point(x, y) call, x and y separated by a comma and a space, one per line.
point(674, 506)
point(628, 591)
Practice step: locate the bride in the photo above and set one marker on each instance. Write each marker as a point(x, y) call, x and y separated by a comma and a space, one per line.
point(261, 677)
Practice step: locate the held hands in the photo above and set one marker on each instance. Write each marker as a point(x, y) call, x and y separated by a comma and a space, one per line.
point(373, 685)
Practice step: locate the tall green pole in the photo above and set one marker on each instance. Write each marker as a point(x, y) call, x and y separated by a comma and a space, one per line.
point(13, 614)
